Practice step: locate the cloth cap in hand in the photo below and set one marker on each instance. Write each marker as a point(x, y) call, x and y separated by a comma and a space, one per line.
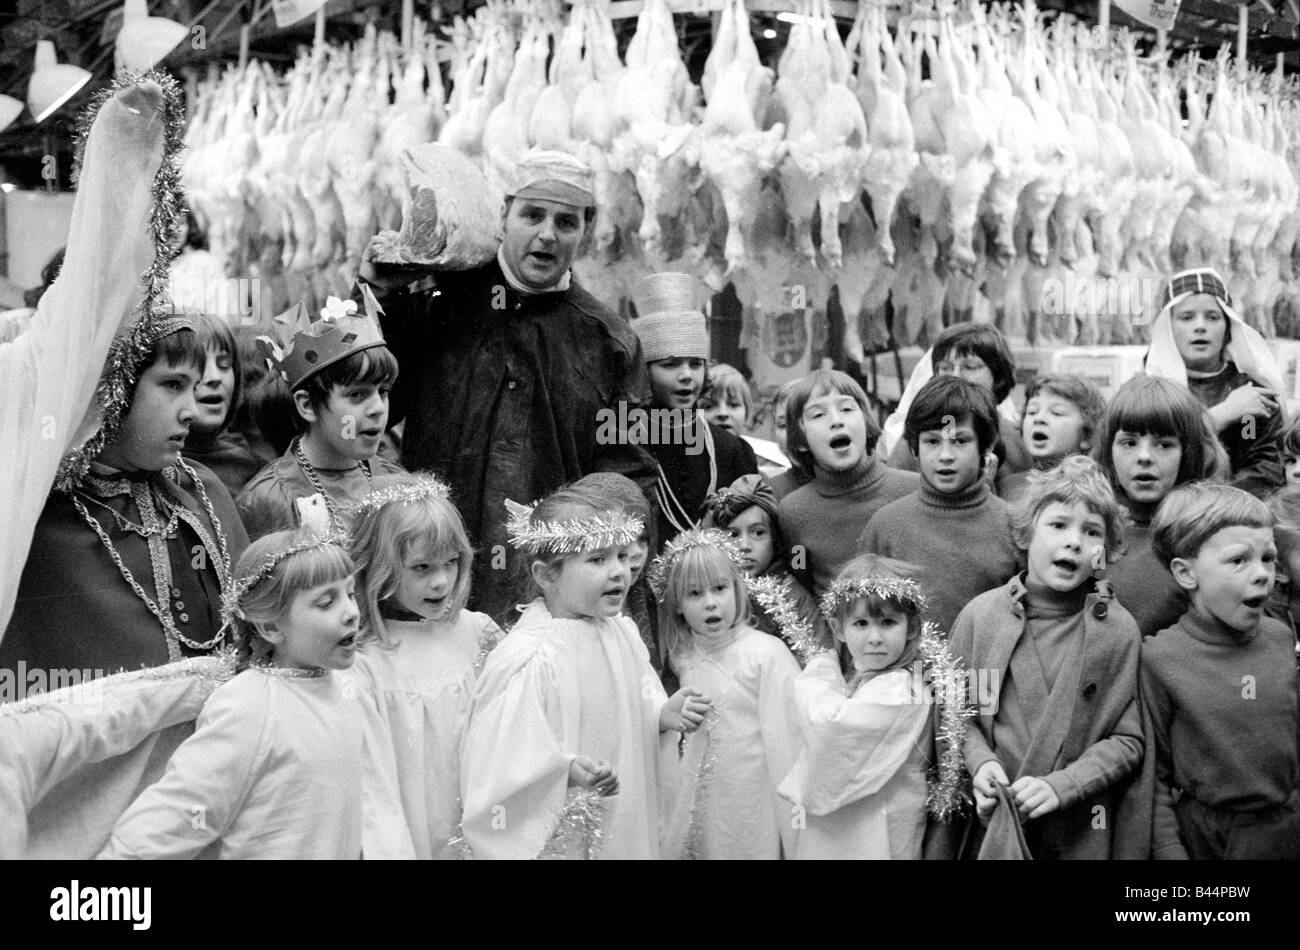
point(553, 176)
point(667, 323)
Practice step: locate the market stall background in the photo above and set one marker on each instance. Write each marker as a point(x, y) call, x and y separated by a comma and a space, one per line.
point(841, 179)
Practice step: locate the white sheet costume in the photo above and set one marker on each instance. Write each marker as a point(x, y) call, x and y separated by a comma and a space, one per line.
point(49, 373)
point(273, 770)
point(552, 690)
point(417, 700)
point(727, 807)
point(861, 774)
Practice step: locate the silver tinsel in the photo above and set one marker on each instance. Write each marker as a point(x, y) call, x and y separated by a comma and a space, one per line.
point(568, 537)
point(949, 784)
point(656, 574)
point(230, 601)
point(422, 488)
point(130, 351)
point(904, 591)
point(798, 633)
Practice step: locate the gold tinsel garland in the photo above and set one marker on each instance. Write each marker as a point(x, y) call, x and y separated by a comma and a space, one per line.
point(130, 351)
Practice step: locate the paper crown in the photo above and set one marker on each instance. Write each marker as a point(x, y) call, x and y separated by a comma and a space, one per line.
point(668, 323)
point(338, 333)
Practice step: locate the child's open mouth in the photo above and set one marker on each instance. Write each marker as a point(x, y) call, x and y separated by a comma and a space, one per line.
point(1039, 437)
point(1066, 565)
point(840, 442)
point(349, 641)
point(1254, 603)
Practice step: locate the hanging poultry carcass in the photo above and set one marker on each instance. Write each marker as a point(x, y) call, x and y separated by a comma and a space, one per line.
point(414, 118)
point(351, 150)
point(481, 86)
point(881, 85)
point(505, 134)
point(729, 146)
point(316, 182)
point(653, 104)
point(1015, 141)
point(826, 132)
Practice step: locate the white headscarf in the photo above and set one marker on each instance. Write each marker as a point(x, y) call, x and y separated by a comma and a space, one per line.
point(1246, 348)
point(922, 373)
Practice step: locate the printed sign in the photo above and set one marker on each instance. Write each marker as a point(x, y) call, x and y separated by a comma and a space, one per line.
point(1155, 13)
point(289, 12)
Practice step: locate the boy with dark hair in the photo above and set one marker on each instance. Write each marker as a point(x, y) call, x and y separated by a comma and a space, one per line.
point(1219, 687)
point(340, 373)
point(953, 524)
point(144, 541)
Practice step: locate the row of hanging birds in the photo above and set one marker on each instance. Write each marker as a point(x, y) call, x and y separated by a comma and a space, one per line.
point(970, 162)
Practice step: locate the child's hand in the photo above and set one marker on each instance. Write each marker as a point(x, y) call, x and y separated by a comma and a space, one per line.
point(1035, 797)
point(684, 711)
point(985, 784)
point(586, 772)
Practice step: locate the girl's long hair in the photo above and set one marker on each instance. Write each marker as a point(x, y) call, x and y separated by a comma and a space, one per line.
point(698, 568)
point(384, 537)
point(268, 599)
point(1149, 405)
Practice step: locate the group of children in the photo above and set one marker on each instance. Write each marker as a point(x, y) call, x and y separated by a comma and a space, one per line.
point(953, 636)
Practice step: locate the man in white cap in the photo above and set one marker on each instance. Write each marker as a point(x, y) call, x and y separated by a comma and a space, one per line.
point(506, 367)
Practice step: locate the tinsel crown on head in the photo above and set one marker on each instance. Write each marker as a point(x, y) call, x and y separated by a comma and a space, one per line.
point(657, 574)
point(336, 334)
point(568, 537)
point(230, 601)
point(132, 349)
point(900, 590)
point(422, 487)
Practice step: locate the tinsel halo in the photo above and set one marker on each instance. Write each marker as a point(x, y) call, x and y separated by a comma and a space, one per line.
point(129, 351)
point(240, 587)
point(846, 590)
point(657, 574)
point(418, 488)
point(568, 537)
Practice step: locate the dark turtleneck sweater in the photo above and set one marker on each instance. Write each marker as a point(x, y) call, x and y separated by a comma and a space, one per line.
point(825, 517)
point(1225, 747)
point(961, 541)
point(1254, 445)
point(1141, 582)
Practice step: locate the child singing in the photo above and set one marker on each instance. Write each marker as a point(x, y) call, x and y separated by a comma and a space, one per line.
point(422, 653)
point(340, 373)
point(1061, 417)
point(1219, 687)
point(1064, 731)
point(569, 700)
point(832, 437)
point(727, 807)
point(861, 779)
point(273, 769)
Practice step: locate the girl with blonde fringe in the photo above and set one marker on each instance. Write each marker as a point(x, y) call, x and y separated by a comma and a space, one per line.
point(420, 658)
point(727, 806)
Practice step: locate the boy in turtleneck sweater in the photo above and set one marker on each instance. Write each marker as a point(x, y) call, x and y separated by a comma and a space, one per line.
point(1059, 723)
point(1219, 687)
point(832, 439)
point(953, 525)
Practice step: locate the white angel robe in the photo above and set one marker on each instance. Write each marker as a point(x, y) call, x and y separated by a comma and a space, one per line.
point(416, 700)
point(553, 690)
point(860, 778)
point(727, 807)
point(273, 770)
